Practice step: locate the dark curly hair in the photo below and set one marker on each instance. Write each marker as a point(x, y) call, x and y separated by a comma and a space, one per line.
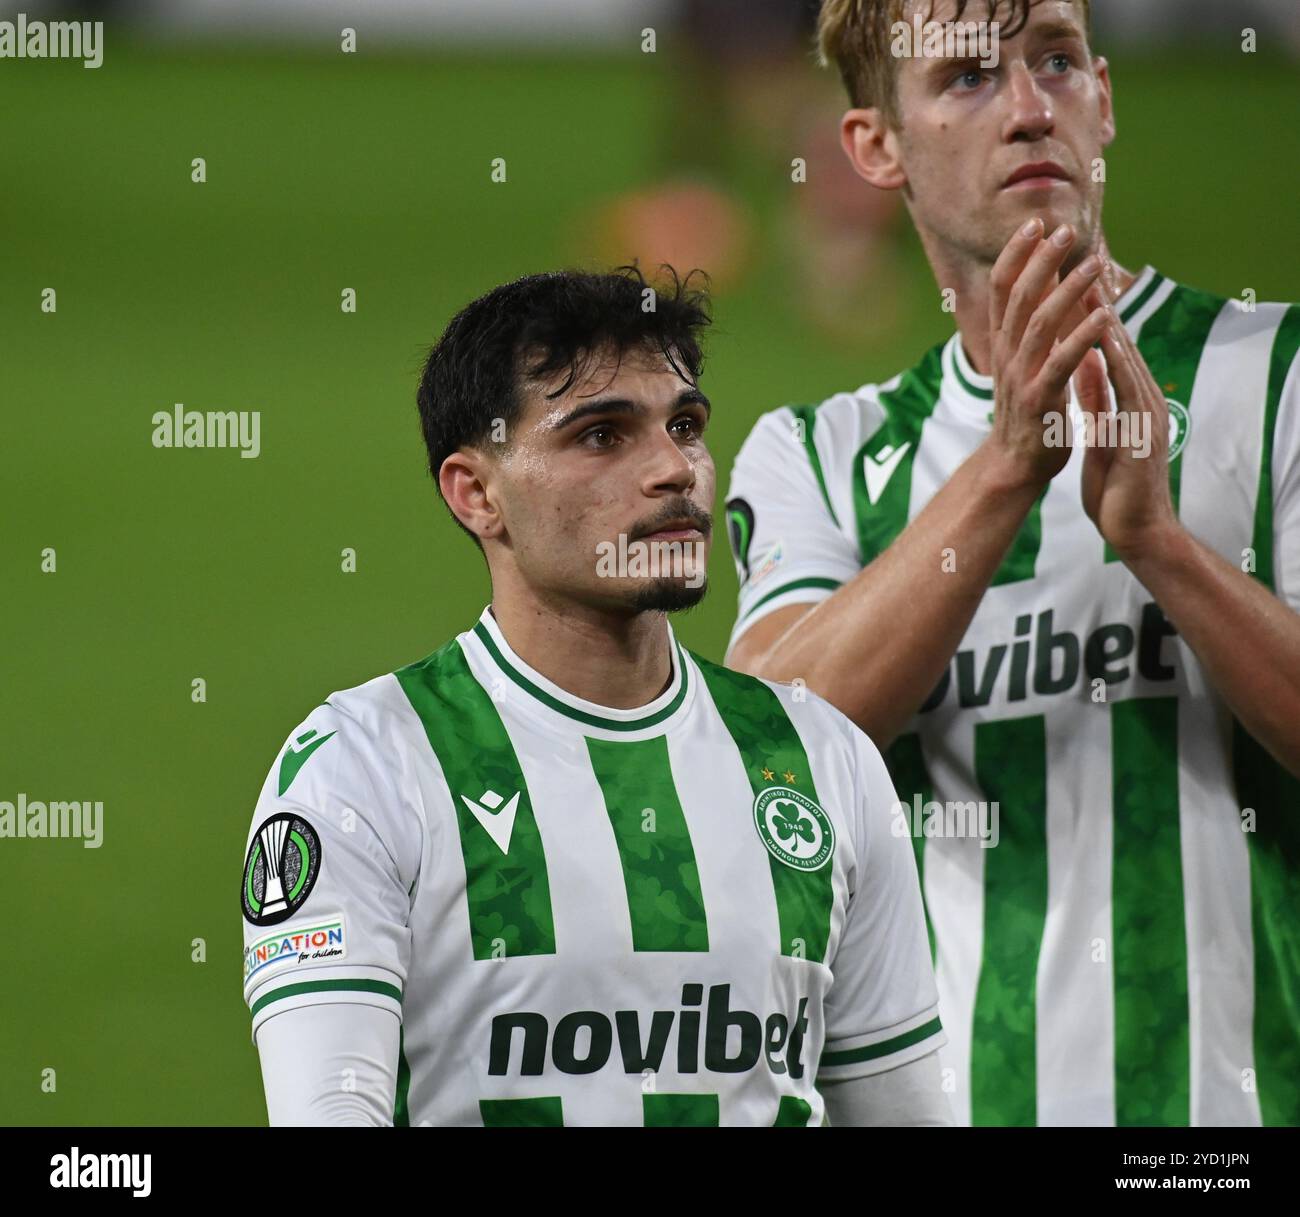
point(540, 326)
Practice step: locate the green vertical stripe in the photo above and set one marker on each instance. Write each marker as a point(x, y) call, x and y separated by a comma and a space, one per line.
point(401, 1097)
point(1273, 795)
point(793, 1112)
point(680, 1110)
point(1022, 558)
point(808, 416)
point(906, 409)
point(1152, 1063)
point(544, 1112)
point(911, 777)
point(1011, 770)
point(654, 844)
point(767, 740)
point(508, 894)
point(1171, 342)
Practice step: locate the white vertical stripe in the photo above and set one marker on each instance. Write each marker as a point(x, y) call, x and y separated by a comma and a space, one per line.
point(1216, 897)
point(954, 894)
point(1221, 462)
point(1075, 983)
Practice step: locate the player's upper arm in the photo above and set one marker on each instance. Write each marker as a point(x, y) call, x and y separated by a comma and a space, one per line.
point(786, 533)
point(330, 1065)
point(332, 858)
point(882, 1007)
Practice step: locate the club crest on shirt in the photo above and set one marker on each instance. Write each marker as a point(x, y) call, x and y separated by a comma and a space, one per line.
point(795, 830)
point(282, 864)
point(1180, 425)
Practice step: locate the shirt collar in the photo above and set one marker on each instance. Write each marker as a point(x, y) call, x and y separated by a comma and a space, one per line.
point(566, 709)
point(971, 394)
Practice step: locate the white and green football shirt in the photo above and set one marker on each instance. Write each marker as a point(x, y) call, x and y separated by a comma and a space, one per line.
point(686, 913)
point(1129, 951)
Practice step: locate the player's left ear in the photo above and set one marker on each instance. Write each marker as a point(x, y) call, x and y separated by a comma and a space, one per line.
point(1105, 98)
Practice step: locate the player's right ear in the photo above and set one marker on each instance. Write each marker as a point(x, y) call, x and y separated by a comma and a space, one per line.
point(872, 148)
point(463, 482)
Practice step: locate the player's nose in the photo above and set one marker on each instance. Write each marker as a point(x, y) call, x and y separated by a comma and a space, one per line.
point(668, 467)
point(1029, 109)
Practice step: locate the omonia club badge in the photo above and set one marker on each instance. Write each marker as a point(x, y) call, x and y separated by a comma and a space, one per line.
point(795, 830)
point(281, 867)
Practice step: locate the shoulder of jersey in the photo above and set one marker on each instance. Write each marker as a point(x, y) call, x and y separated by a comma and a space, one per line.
point(803, 704)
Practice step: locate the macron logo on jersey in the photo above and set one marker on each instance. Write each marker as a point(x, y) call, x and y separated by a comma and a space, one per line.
point(498, 822)
point(879, 469)
point(297, 755)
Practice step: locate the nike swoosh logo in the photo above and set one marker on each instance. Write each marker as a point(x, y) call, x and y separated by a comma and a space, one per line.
point(297, 755)
point(498, 825)
point(880, 469)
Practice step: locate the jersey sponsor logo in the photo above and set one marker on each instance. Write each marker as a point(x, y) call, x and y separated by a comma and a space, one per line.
point(740, 528)
point(311, 944)
point(280, 870)
point(1058, 658)
point(497, 821)
point(583, 1042)
point(795, 830)
point(1180, 426)
point(878, 469)
point(297, 754)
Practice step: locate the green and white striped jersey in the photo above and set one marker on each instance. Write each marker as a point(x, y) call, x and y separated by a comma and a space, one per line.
point(686, 913)
point(1129, 950)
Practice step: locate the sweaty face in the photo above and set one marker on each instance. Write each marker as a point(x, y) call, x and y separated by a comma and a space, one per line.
point(986, 149)
point(605, 490)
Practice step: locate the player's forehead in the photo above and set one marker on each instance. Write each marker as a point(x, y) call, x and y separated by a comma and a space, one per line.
point(1040, 15)
point(642, 374)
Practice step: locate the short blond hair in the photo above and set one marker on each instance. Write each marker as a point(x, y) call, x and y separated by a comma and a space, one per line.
point(856, 36)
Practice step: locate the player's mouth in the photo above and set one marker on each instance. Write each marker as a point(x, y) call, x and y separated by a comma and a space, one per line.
point(675, 530)
point(1040, 175)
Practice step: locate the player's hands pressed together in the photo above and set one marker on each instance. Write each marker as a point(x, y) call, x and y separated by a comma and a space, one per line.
point(1038, 342)
point(1126, 485)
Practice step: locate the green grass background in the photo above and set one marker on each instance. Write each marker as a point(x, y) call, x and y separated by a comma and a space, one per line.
point(324, 173)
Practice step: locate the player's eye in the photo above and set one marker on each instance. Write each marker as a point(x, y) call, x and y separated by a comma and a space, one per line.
point(600, 436)
point(687, 426)
point(1060, 63)
point(970, 79)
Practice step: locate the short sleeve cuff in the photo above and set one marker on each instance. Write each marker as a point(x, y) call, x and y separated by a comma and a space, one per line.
point(764, 600)
point(861, 1056)
point(325, 986)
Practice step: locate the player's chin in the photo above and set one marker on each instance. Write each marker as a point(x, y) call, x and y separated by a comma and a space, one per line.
point(668, 595)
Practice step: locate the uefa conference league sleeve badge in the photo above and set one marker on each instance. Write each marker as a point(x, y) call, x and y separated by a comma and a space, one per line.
point(280, 869)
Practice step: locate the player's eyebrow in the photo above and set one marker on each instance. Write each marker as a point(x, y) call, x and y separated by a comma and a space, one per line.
point(1055, 31)
point(624, 405)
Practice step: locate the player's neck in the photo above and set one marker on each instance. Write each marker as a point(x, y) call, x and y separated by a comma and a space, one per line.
point(616, 660)
point(970, 284)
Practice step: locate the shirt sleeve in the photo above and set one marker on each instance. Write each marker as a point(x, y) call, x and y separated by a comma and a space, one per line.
point(910, 1096)
point(788, 546)
point(330, 865)
point(1286, 483)
point(330, 1065)
point(882, 1007)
